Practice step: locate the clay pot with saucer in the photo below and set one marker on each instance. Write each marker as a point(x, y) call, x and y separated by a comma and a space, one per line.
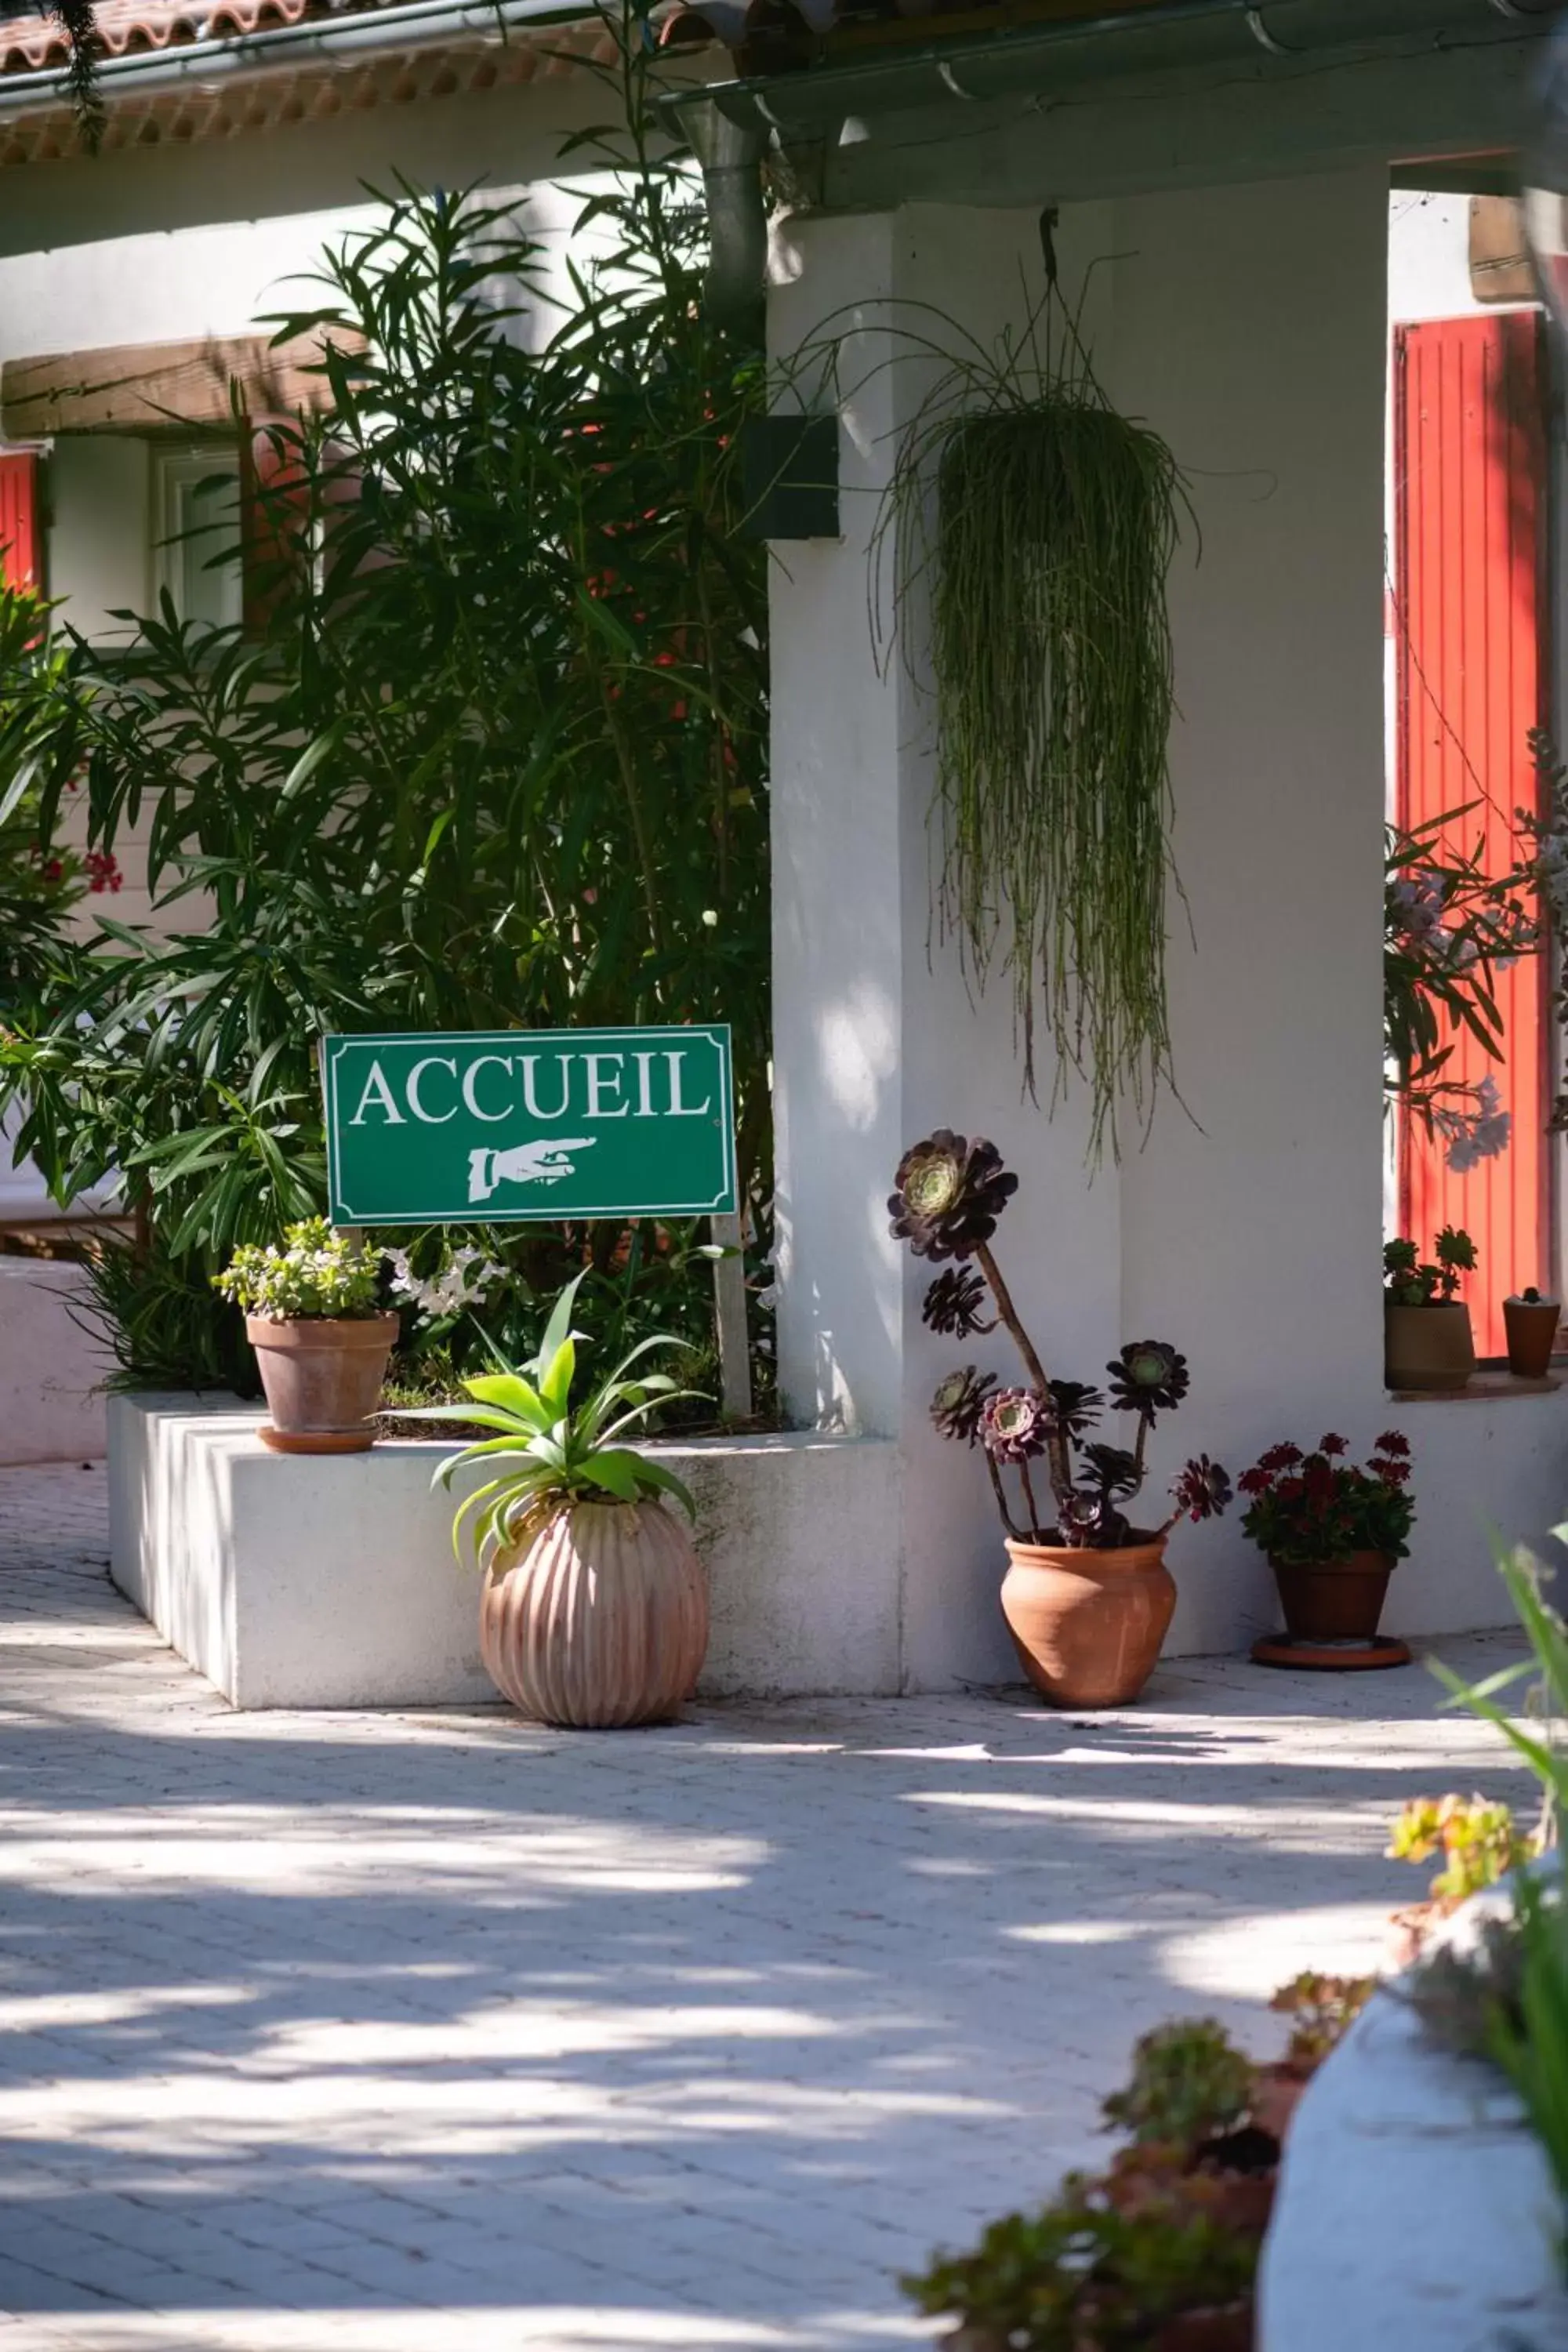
point(322, 1377)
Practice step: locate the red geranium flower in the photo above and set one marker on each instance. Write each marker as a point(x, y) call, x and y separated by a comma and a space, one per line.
point(1332, 1444)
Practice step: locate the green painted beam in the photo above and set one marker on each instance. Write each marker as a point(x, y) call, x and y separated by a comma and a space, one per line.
point(1408, 108)
point(1203, 91)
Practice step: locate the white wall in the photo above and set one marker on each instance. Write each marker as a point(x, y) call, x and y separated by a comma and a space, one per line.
point(874, 1048)
point(1253, 1229)
point(1248, 326)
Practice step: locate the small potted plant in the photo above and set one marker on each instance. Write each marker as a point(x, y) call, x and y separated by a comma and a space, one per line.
point(1427, 1337)
point(1087, 1598)
point(1532, 1323)
point(1332, 1533)
point(594, 1607)
point(314, 1315)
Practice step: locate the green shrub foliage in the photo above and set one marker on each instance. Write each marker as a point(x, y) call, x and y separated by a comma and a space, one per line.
point(489, 750)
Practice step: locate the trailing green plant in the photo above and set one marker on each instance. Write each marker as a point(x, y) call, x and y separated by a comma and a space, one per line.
point(949, 1192)
point(549, 1454)
point(314, 1273)
point(1044, 560)
point(489, 749)
point(1305, 1508)
point(1189, 2083)
point(1410, 1281)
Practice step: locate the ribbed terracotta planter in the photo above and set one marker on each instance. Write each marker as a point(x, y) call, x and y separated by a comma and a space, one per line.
point(322, 1377)
point(1334, 1600)
point(600, 1620)
point(1088, 1625)
point(1429, 1346)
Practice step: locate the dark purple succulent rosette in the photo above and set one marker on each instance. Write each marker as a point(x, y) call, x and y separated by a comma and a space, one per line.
point(1016, 1426)
point(951, 1190)
point(954, 1305)
point(950, 1193)
point(959, 1401)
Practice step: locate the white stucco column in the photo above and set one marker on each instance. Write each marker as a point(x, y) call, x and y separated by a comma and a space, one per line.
point(838, 937)
point(878, 1036)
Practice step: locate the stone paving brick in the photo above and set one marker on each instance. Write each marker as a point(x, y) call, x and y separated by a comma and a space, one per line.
point(437, 2032)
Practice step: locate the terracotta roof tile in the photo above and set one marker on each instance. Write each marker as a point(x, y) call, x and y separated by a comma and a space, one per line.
point(30, 43)
point(313, 91)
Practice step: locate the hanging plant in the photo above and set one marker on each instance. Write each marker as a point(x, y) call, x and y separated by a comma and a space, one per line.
point(1044, 554)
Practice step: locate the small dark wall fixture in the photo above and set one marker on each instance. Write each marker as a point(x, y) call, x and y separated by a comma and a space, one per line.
point(789, 473)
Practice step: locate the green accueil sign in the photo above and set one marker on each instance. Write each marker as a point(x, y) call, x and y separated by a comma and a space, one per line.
point(490, 1126)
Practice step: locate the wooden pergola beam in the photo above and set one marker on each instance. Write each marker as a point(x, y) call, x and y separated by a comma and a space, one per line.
point(161, 387)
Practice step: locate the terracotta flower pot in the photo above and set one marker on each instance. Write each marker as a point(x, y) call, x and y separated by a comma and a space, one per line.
point(1276, 2093)
point(1334, 1600)
point(599, 1619)
point(322, 1377)
point(1229, 2329)
point(1429, 1346)
point(1088, 1625)
point(1532, 1335)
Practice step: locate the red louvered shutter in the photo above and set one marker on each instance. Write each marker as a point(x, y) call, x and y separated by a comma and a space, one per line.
point(19, 549)
point(1470, 639)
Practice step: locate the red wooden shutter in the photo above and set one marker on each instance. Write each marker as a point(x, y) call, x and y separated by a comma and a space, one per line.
point(19, 518)
point(1471, 606)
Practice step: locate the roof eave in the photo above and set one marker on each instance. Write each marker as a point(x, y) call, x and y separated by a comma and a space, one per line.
point(415, 24)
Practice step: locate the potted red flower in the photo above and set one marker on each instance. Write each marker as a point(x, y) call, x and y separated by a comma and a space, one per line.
point(1332, 1532)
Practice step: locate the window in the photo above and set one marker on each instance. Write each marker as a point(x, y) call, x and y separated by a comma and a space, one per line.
point(197, 534)
point(1471, 647)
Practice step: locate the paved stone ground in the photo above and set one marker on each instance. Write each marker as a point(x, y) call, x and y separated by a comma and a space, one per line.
point(438, 2033)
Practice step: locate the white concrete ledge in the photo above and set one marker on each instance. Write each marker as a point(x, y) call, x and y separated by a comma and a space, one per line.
point(1415, 2207)
point(298, 1580)
point(52, 1409)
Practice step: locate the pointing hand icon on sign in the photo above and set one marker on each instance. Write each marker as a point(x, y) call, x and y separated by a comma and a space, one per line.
point(527, 1164)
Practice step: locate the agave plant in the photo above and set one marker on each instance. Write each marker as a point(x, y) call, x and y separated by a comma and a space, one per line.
point(949, 1193)
point(549, 1454)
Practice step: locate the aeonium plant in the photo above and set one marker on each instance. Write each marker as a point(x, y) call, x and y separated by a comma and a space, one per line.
point(1413, 1283)
point(950, 1191)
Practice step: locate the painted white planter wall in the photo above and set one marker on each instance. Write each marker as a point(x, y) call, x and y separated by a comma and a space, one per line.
point(1248, 325)
point(1415, 2207)
point(292, 1580)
